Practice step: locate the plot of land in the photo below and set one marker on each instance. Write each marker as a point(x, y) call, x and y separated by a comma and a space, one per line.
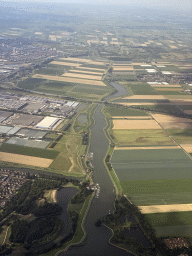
point(151, 164)
point(70, 80)
point(154, 147)
point(64, 63)
point(132, 117)
point(27, 160)
point(83, 76)
point(172, 122)
point(148, 97)
point(138, 137)
point(92, 69)
point(165, 85)
point(123, 68)
point(86, 72)
point(187, 147)
point(166, 208)
point(134, 124)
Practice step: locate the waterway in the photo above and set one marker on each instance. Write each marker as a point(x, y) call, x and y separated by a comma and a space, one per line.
point(97, 242)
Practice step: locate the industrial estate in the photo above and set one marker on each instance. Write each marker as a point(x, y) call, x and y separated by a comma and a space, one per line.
point(95, 130)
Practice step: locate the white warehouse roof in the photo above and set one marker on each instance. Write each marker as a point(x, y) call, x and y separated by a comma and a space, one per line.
point(48, 122)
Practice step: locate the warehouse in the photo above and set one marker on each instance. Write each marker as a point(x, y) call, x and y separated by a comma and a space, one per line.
point(48, 122)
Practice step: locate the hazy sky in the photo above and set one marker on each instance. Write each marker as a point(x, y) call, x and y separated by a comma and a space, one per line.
point(175, 4)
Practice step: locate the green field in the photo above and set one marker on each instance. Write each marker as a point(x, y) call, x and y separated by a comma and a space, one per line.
point(139, 88)
point(169, 219)
point(158, 192)
point(125, 137)
point(161, 108)
point(154, 176)
point(122, 111)
point(174, 231)
point(151, 164)
point(31, 83)
point(28, 151)
point(181, 135)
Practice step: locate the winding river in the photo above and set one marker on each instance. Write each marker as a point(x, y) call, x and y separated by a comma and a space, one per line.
point(97, 238)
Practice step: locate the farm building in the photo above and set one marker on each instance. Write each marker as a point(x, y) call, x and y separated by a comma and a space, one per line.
point(47, 123)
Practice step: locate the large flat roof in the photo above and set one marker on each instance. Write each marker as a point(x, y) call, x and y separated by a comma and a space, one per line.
point(48, 122)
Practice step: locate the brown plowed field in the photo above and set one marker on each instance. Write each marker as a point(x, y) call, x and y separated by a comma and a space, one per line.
point(27, 160)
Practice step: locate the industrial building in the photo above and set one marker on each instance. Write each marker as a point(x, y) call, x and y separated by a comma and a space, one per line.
point(48, 122)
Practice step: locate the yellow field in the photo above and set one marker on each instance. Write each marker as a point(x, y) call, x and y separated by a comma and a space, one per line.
point(166, 208)
point(126, 68)
point(131, 117)
point(75, 59)
point(187, 147)
point(150, 104)
point(70, 80)
point(64, 63)
point(87, 72)
point(168, 89)
point(172, 122)
point(146, 97)
point(134, 124)
point(156, 147)
point(166, 118)
point(27, 160)
point(82, 76)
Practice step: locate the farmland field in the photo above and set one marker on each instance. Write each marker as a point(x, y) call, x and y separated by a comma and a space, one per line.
point(121, 111)
point(43, 153)
point(69, 79)
point(141, 137)
point(181, 135)
point(26, 160)
point(170, 219)
point(146, 175)
point(139, 88)
point(134, 124)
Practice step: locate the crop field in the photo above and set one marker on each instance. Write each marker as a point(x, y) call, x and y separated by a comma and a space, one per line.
point(146, 175)
point(170, 219)
point(43, 153)
point(26, 160)
point(82, 76)
point(187, 147)
point(166, 108)
point(121, 111)
point(141, 88)
point(50, 71)
point(145, 97)
point(183, 136)
point(88, 90)
point(166, 86)
point(85, 72)
point(69, 79)
point(31, 83)
point(134, 124)
point(60, 63)
point(172, 122)
point(91, 69)
point(141, 137)
point(165, 208)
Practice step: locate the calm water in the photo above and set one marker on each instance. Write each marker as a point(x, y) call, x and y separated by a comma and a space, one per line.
point(97, 238)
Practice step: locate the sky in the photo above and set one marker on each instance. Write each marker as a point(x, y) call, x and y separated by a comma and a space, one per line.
point(175, 4)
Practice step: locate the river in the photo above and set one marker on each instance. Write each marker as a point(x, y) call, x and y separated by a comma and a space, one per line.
point(97, 238)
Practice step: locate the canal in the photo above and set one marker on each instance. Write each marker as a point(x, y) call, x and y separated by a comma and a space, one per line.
point(98, 238)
